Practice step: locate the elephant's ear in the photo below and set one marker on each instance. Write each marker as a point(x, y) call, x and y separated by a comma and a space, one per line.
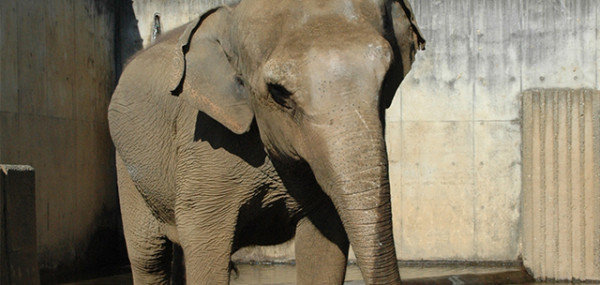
point(407, 40)
point(205, 78)
point(407, 33)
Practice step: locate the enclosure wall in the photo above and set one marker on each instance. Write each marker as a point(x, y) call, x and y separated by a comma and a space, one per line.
point(57, 74)
point(455, 125)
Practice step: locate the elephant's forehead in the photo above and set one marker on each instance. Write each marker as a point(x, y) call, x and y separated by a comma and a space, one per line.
point(340, 8)
point(284, 14)
point(261, 27)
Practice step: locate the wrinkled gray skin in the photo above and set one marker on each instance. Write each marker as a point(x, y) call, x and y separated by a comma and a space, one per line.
point(257, 123)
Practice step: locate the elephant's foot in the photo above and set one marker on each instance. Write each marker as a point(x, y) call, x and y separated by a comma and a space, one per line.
point(151, 266)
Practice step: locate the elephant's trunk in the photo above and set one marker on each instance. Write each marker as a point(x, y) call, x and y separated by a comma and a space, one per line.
point(356, 179)
point(365, 208)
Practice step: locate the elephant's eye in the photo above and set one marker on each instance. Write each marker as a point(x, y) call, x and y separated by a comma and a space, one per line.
point(279, 94)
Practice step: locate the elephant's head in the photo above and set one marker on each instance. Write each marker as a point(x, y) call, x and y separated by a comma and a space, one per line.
point(317, 76)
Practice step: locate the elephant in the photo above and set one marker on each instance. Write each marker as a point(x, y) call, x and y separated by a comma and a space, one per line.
point(259, 122)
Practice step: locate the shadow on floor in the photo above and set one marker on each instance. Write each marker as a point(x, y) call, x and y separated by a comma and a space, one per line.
point(286, 274)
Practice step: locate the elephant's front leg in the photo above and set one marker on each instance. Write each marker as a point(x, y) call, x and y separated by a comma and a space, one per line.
point(206, 233)
point(148, 248)
point(321, 248)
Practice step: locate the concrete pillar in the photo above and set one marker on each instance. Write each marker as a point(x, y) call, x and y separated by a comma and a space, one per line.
point(561, 183)
point(18, 242)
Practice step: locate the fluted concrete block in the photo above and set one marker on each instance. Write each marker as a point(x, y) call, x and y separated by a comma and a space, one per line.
point(561, 183)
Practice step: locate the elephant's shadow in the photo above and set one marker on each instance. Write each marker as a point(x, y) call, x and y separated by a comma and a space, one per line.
point(268, 228)
point(247, 146)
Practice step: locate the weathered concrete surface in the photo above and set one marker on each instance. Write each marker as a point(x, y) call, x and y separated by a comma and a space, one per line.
point(137, 21)
point(561, 181)
point(454, 131)
point(18, 242)
point(57, 74)
point(172, 14)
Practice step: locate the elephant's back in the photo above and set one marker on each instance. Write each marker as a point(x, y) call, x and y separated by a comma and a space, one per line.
point(142, 116)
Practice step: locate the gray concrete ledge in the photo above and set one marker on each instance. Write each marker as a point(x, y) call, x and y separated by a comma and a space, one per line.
point(18, 240)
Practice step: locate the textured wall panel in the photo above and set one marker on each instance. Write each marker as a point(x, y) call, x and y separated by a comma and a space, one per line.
point(561, 186)
point(57, 71)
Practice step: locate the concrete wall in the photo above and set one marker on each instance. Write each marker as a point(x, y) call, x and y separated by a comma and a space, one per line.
point(455, 134)
point(454, 129)
point(57, 74)
point(137, 21)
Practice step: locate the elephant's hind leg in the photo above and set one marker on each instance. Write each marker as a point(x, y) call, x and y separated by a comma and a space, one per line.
point(149, 250)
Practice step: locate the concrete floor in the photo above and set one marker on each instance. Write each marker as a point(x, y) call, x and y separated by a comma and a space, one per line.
point(285, 274)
